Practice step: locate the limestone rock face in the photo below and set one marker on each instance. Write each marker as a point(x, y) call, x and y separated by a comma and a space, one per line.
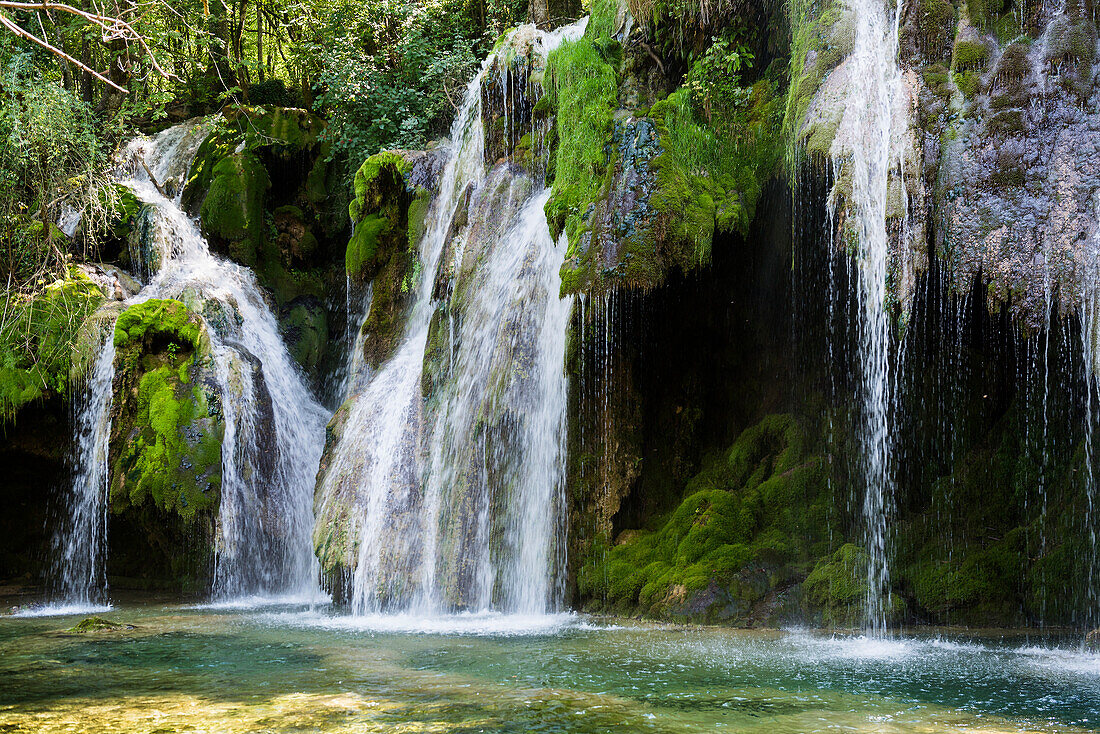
point(995, 149)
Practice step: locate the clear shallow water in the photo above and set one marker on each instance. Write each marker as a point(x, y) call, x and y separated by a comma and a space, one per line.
point(290, 669)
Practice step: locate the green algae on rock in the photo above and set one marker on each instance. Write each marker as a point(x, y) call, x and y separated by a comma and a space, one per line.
point(640, 193)
point(166, 423)
point(39, 337)
point(737, 547)
point(269, 196)
point(387, 219)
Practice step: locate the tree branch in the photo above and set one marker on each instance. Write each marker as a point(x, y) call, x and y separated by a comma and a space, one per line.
point(113, 29)
point(14, 28)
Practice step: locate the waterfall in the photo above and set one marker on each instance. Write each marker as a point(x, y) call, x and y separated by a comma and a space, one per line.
point(864, 152)
point(274, 428)
point(449, 511)
point(80, 551)
point(508, 363)
point(1089, 312)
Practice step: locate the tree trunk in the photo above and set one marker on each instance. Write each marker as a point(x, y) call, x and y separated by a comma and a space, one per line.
point(547, 14)
point(259, 41)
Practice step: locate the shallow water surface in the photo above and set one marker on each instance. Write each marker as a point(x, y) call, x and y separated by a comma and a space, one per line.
point(296, 669)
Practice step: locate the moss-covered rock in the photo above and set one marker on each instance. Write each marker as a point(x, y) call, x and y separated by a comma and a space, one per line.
point(166, 423)
point(95, 624)
point(387, 216)
point(39, 338)
point(837, 586)
point(269, 196)
point(641, 193)
point(745, 535)
point(233, 211)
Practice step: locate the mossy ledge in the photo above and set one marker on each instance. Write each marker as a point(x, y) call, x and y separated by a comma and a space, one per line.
point(642, 192)
point(387, 221)
point(39, 338)
point(166, 433)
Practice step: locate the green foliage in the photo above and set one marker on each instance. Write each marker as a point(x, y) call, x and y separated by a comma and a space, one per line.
point(582, 85)
point(52, 152)
point(713, 82)
point(391, 72)
point(37, 335)
point(274, 92)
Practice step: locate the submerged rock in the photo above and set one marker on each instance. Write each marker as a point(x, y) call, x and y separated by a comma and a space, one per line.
point(98, 624)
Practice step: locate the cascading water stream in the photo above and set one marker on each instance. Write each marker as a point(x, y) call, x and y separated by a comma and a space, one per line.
point(1089, 312)
point(380, 442)
point(274, 429)
point(863, 153)
point(442, 520)
point(498, 443)
point(79, 577)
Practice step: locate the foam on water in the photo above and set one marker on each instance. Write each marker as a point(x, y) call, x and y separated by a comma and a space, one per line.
point(62, 610)
point(248, 602)
point(1063, 660)
point(474, 624)
point(855, 647)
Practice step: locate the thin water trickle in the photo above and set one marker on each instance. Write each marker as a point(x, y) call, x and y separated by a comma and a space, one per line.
point(864, 151)
point(1089, 313)
point(80, 543)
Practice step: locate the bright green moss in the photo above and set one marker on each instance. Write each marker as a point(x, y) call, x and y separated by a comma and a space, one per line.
point(711, 174)
point(369, 185)
point(816, 47)
point(838, 585)
point(969, 83)
point(363, 246)
point(38, 338)
point(582, 85)
point(969, 55)
point(174, 460)
point(158, 319)
point(166, 434)
point(94, 624)
point(279, 126)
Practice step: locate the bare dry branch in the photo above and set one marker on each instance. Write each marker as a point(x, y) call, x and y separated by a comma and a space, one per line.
point(14, 28)
point(113, 29)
